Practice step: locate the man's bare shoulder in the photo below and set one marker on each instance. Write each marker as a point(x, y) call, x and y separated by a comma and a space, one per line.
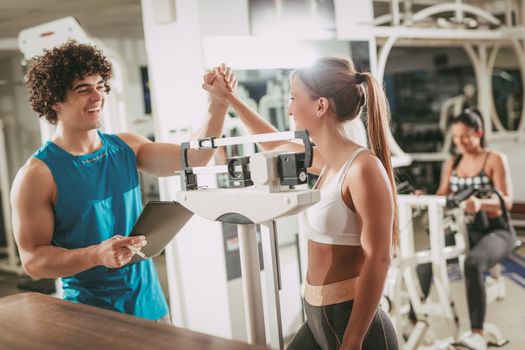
point(34, 178)
point(35, 168)
point(133, 140)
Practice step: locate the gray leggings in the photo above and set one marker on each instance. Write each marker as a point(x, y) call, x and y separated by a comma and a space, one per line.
point(487, 249)
point(326, 325)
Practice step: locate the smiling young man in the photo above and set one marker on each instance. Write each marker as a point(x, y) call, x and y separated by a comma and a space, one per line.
point(76, 199)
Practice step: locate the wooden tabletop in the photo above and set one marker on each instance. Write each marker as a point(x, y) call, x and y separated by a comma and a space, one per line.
point(37, 321)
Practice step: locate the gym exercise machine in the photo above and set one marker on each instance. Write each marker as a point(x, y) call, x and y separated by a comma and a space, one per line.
point(261, 191)
point(444, 215)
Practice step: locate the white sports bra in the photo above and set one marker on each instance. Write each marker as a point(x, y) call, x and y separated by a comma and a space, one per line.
point(330, 221)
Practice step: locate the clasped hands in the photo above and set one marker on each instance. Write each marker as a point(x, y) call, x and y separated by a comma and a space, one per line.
point(220, 82)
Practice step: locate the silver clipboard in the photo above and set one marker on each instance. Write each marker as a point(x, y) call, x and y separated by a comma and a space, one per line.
point(159, 222)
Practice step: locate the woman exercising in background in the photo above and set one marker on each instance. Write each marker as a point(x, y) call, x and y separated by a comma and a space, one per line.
point(491, 237)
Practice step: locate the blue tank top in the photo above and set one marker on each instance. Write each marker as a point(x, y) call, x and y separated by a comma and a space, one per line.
point(98, 196)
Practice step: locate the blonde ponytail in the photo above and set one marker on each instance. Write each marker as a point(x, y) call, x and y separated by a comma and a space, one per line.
point(378, 124)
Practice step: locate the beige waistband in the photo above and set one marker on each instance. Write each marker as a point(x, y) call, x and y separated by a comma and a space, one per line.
point(329, 294)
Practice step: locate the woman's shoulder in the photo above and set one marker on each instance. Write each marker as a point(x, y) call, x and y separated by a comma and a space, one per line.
point(495, 158)
point(452, 161)
point(492, 153)
point(364, 156)
point(365, 163)
point(367, 175)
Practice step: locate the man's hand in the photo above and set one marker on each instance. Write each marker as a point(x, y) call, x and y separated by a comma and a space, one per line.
point(113, 253)
point(471, 205)
point(220, 82)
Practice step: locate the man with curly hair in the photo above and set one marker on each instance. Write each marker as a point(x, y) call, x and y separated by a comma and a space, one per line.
point(76, 199)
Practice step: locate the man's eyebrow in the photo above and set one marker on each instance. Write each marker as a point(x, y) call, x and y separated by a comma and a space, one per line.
point(81, 85)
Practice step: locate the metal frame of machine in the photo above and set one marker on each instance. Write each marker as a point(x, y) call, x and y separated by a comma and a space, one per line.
point(271, 174)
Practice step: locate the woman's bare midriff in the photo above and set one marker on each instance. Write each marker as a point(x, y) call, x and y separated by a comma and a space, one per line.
point(329, 263)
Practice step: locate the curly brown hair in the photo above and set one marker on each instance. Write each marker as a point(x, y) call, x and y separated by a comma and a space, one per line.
point(51, 75)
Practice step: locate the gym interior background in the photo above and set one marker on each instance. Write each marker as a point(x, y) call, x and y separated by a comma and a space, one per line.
point(434, 57)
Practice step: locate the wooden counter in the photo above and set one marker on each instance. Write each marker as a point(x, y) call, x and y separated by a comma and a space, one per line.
point(37, 321)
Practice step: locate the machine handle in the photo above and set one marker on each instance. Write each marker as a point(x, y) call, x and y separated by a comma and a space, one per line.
point(308, 147)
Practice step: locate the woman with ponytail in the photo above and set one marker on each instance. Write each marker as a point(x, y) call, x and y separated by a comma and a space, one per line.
point(352, 230)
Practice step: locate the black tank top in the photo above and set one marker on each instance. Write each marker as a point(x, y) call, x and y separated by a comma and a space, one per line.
point(479, 181)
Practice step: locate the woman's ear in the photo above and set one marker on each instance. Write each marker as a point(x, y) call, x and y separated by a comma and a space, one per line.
point(480, 133)
point(322, 106)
